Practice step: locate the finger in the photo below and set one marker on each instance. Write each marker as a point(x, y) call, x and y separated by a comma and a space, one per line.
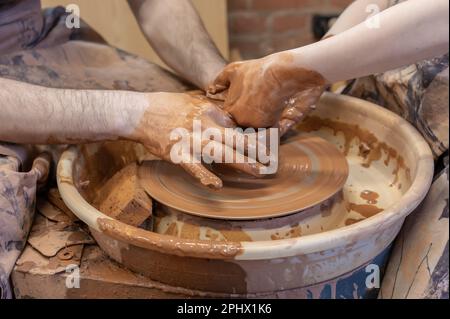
point(254, 145)
point(220, 96)
point(244, 143)
point(234, 137)
point(285, 125)
point(195, 93)
point(222, 81)
point(293, 116)
point(298, 108)
point(198, 171)
point(296, 112)
point(221, 153)
point(253, 169)
point(220, 119)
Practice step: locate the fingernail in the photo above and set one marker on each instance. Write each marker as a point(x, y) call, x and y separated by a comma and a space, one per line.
point(212, 183)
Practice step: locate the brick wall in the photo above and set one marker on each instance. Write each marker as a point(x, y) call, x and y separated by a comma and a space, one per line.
point(261, 27)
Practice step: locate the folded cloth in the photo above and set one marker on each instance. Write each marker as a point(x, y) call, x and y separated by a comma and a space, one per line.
point(17, 203)
point(24, 26)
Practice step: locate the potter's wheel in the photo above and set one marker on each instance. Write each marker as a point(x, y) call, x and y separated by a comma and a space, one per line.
point(310, 170)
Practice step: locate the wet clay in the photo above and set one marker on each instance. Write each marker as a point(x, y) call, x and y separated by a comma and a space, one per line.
point(54, 197)
point(365, 210)
point(292, 233)
point(352, 221)
point(370, 197)
point(370, 148)
point(298, 107)
point(175, 223)
point(122, 198)
point(310, 171)
point(102, 162)
point(168, 244)
point(189, 227)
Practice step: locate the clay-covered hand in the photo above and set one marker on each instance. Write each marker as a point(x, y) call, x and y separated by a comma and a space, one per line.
point(298, 107)
point(169, 121)
point(263, 92)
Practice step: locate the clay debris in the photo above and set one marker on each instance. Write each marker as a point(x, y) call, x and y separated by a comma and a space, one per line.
point(51, 211)
point(54, 197)
point(49, 237)
point(124, 199)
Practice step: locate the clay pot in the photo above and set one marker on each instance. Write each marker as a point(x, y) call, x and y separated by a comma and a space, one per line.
point(386, 156)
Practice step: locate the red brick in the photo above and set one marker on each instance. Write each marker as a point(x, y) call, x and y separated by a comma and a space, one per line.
point(280, 4)
point(237, 5)
point(281, 43)
point(342, 4)
point(287, 22)
point(245, 23)
point(255, 47)
point(261, 27)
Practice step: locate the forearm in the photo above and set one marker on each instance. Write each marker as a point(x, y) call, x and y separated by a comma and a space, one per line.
point(356, 13)
point(408, 32)
point(178, 35)
point(37, 115)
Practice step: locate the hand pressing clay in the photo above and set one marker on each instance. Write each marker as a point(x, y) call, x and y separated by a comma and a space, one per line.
point(124, 199)
point(170, 111)
point(268, 92)
point(258, 91)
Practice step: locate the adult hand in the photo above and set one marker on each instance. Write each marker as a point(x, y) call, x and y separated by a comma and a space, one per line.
point(168, 114)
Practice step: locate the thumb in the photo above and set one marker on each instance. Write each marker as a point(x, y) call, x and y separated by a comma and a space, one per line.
point(284, 125)
point(222, 81)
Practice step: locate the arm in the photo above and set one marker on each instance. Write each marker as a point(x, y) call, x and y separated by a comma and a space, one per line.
point(356, 13)
point(178, 35)
point(38, 115)
point(408, 32)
